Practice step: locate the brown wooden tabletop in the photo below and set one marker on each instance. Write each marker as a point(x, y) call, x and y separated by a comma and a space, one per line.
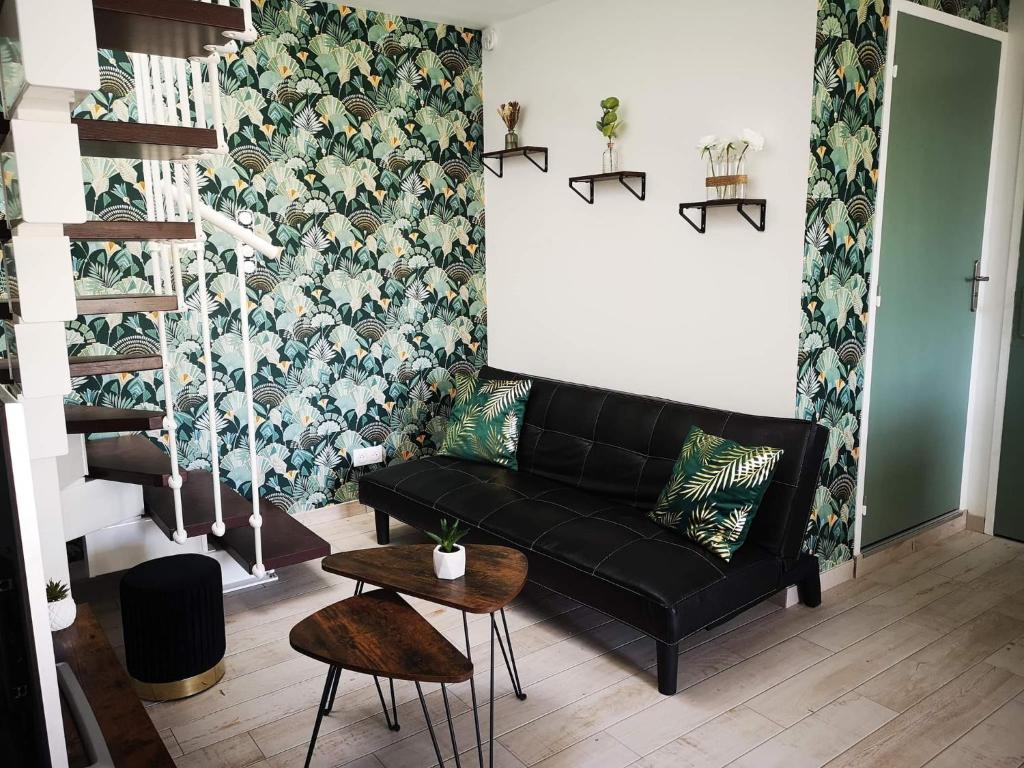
point(129, 733)
point(494, 575)
point(378, 633)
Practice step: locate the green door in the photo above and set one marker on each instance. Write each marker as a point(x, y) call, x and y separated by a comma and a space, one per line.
point(1009, 505)
point(940, 143)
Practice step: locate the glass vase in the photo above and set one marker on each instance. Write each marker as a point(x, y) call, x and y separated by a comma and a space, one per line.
point(741, 177)
point(511, 140)
point(610, 159)
point(714, 188)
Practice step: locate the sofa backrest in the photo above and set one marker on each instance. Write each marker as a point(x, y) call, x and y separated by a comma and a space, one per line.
point(624, 446)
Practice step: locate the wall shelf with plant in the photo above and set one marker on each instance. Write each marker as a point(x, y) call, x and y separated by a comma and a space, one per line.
point(740, 204)
point(726, 180)
point(609, 126)
point(620, 176)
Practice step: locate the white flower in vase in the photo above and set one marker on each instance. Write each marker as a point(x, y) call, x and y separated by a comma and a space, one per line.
point(708, 144)
point(750, 141)
point(754, 141)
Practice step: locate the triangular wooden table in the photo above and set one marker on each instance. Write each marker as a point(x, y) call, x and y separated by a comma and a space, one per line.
point(494, 577)
point(378, 633)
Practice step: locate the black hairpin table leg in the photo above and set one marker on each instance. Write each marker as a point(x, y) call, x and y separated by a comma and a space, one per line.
point(330, 687)
point(472, 693)
point(430, 726)
point(451, 726)
point(392, 718)
point(510, 658)
point(490, 716)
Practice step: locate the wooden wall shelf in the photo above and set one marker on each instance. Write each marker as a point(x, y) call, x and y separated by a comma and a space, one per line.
point(740, 203)
point(527, 152)
point(619, 176)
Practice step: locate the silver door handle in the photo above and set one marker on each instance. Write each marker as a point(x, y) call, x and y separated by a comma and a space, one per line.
point(976, 280)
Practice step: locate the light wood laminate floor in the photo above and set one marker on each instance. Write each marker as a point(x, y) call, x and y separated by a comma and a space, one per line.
point(920, 663)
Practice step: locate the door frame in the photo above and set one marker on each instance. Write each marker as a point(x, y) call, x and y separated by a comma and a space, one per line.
point(1014, 263)
point(998, 231)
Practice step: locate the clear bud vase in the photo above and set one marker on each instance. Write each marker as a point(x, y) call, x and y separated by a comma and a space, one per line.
point(610, 159)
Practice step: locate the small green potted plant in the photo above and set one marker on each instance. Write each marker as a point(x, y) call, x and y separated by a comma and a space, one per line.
point(449, 557)
point(61, 605)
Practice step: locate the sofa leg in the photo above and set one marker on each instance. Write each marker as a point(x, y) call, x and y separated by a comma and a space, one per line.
point(668, 667)
point(809, 589)
point(382, 521)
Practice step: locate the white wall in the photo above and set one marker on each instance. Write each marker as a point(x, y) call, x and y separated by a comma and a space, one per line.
point(623, 293)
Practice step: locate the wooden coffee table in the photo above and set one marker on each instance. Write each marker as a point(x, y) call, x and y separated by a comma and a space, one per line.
point(378, 633)
point(494, 577)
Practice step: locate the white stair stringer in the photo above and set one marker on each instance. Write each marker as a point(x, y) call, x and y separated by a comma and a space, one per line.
point(90, 505)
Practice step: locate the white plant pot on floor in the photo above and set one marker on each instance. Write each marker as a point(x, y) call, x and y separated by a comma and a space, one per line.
point(62, 613)
point(450, 565)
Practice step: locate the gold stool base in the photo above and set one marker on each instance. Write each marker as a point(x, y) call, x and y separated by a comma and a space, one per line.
point(180, 689)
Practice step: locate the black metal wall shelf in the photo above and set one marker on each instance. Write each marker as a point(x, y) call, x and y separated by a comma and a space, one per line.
point(739, 203)
point(620, 176)
point(501, 154)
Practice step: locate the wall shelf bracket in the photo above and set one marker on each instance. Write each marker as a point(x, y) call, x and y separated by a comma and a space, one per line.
point(529, 153)
point(620, 176)
point(741, 205)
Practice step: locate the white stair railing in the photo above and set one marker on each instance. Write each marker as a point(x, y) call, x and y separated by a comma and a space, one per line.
point(173, 92)
point(161, 267)
point(245, 263)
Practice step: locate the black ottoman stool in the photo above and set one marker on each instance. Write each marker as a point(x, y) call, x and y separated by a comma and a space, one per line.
point(172, 610)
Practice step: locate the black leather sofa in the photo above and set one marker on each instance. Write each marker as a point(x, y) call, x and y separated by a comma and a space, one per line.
point(591, 464)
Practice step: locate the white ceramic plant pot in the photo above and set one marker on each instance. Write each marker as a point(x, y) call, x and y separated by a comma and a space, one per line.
point(450, 565)
point(62, 613)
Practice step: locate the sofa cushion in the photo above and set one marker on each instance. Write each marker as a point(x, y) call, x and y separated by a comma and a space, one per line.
point(486, 420)
point(715, 490)
point(662, 582)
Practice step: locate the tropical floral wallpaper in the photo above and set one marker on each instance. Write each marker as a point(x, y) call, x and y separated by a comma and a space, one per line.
point(355, 138)
point(849, 74)
point(994, 13)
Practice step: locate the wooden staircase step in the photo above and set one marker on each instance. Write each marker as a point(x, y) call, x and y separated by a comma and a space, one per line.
point(197, 506)
point(91, 366)
point(105, 304)
point(133, 459)
point(178, 28)
point(104, 364)
point(111, 303)
point(286, 541)
point(131, 231)
point(85, 419)
point(142, 141)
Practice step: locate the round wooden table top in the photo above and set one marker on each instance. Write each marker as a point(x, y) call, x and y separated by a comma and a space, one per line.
point(378, 633)
point(495, 575)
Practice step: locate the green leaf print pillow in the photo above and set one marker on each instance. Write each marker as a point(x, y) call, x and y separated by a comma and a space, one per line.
point(486, 420)
point(715, 489)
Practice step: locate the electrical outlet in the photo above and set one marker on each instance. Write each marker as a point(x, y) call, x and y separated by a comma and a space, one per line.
point(372, 455)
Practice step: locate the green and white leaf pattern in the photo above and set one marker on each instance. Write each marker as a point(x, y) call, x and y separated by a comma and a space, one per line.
point(378, 299)
point(486, 420)
point(715, 488)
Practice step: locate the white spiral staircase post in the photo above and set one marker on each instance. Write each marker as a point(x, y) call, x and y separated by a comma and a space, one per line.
point(246, 264)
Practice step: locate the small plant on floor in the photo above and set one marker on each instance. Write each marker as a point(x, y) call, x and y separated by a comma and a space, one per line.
point(448, 540)
point(60, 605)
point(56, 591)
point(449, 557)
